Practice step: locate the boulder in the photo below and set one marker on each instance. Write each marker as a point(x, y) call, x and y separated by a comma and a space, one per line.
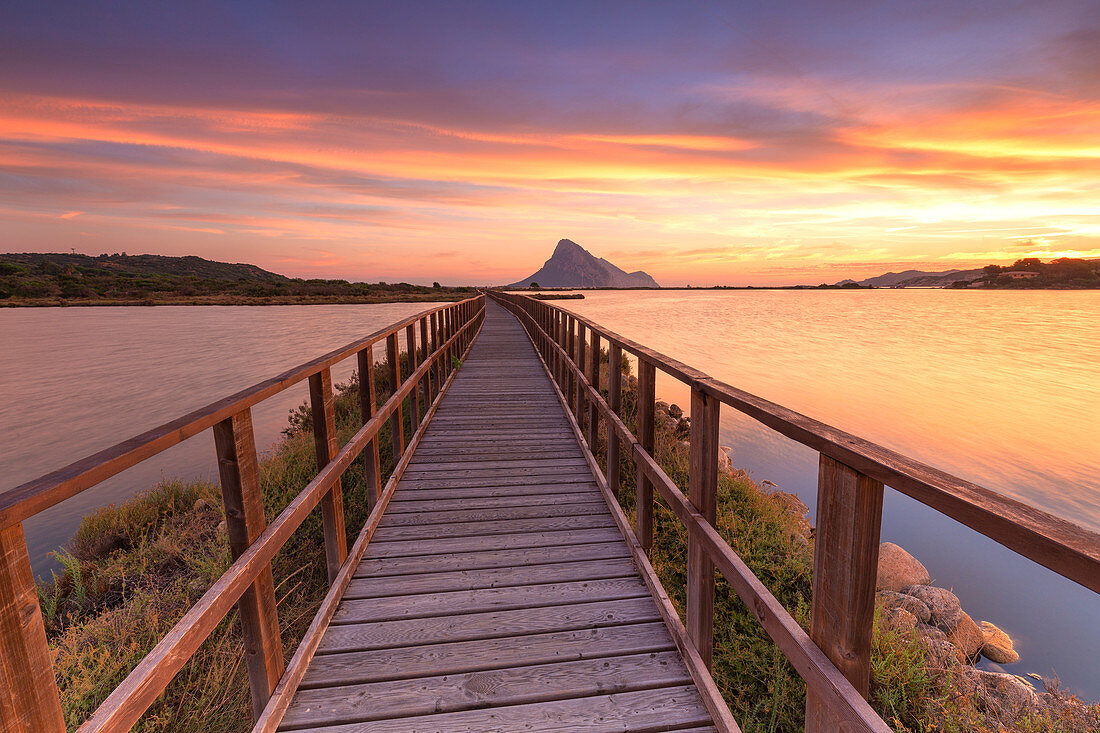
point(967, 636)
point(997, 646)
point(675, 412)
point(889, 599)
point(897, 568)
point(898, 619)
point(725, 463)
point(944, 607)
point(941, 653)
point(1002, 696)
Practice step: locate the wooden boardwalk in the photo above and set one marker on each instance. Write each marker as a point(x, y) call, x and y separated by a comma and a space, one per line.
point(496, 585)
point(497, 593)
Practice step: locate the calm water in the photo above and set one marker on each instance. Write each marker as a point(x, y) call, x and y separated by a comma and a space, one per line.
point(1001, 388)
point(77, 380)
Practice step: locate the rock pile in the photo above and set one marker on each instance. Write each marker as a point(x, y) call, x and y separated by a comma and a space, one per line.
point(909, 601)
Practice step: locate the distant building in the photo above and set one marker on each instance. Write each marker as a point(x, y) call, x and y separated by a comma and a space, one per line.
point(1020, 274)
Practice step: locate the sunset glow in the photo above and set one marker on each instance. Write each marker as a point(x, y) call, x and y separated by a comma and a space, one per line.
point(704, 143)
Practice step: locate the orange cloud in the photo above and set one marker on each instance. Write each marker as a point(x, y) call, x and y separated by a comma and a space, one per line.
point(943, 183)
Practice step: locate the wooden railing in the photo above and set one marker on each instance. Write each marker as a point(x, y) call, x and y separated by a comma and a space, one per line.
point(834, 658)
point(29, 699)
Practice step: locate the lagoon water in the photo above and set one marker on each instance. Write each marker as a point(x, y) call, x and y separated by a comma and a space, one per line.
point(1001, 388)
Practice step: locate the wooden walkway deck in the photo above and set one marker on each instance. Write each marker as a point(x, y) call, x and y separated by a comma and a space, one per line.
point(497, 593)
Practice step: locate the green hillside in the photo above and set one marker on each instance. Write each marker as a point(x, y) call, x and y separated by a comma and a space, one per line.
point(121, 279)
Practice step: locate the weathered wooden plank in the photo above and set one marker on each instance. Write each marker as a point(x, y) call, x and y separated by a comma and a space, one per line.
point(342, 668)
point(407, 506)
point(406, 548)
point(413, 632)
point(29, 700)
point(490, 558)
point(666, 708)
point(475, 482)
point(477, 468)
point(483, 600)
point(459, 441)
point(473, 529)
point(496, 577)
point(448, 516)
point(494, 452)
point(492, 688)
point(523, 489)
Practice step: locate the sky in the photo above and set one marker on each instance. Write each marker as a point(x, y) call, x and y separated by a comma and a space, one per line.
point(704, 142)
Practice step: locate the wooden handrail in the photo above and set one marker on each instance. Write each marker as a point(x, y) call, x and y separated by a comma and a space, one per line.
point(144, 684)
point(1066, 548)
point(36, 495)
point(29, 703)
point(834, 659)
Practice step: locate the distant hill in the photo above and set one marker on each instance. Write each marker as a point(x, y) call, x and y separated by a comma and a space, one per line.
point(917, 279)
point(572, 266)
point(121, 279)
point(1025, 274)
point(188, 266)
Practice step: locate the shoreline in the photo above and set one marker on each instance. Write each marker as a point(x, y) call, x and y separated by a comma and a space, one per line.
point(231, 301)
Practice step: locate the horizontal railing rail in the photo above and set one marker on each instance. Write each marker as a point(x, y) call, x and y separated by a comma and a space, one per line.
point(834, 658)
point(29, 698)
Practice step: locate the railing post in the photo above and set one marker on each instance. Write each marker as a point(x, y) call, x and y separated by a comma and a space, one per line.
point(580, 361)
point(647, 374)
point(570, 350)
point(244, 521)
point(556, 325)
point(414, 396)
point(324, 440)
point(703, 494)
point(397, 420)
point(594, 379)
point(554, 338)
point(29, 701)
point(367, 401)
point(846, 540)
point(438, 373)
point(447, 332)
point(614, 401)
point(427, 381)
